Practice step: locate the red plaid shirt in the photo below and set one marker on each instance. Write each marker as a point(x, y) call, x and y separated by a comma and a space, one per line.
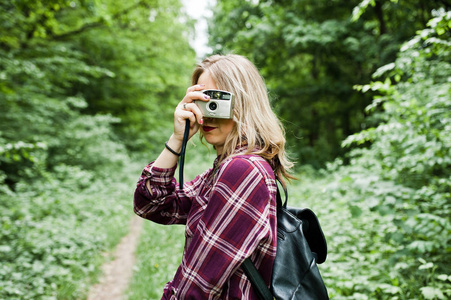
point(230, 214)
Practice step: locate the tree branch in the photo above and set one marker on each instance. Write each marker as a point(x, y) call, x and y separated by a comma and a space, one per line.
point(380, 18)
point(97, 23)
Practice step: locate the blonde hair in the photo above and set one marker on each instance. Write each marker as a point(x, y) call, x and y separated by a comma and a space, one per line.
point(255, 122)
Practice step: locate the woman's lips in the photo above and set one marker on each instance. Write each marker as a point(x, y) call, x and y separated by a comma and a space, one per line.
point(208, 128)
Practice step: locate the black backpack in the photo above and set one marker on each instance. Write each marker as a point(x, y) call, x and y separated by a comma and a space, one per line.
point(301, 245)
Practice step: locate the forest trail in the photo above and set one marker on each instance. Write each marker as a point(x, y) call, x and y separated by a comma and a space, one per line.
point(118, 271)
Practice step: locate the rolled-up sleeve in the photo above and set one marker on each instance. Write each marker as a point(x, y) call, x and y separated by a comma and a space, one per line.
point(163, 204)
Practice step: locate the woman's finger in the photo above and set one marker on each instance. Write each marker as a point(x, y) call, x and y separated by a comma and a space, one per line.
point(186, 115)
point(180, 123)
point(186, 109)
point(192, 107)
point(197, 95)
point(197, 87)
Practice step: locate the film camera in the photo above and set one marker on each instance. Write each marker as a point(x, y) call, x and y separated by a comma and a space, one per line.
point(220, 105)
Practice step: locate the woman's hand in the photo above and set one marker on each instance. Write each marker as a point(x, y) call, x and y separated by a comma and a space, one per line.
point(186, 109)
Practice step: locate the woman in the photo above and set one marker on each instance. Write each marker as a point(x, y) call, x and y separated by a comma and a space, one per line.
point(229, 210)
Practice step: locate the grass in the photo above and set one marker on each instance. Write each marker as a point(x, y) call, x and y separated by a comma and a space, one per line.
point(159, 254)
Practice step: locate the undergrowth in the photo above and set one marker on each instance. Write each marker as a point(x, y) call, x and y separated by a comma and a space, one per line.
point(53, 233)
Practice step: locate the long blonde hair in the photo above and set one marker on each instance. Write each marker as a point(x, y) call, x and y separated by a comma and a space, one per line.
point(255, 122)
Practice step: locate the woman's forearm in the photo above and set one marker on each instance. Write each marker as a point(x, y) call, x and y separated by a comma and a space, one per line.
point(167, 159)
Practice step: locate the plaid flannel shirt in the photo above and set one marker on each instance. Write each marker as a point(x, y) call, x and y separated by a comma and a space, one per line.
point(230, 214)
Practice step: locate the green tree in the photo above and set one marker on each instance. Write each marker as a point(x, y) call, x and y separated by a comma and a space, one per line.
point(149, 54)
point(81, 82)
point(312, 53)
point(81, 79)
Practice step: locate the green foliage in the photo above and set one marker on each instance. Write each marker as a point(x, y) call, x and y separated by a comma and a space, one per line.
point(412, 144)
point(152, 64)
point(81, 83)
point(53, 233)
point(39, 111)
point(84, 79)
point(391, 204)
point(311, 54)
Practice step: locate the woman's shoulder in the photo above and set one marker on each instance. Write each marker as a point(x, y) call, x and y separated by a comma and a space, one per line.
point(248, 173)
point(241, 164)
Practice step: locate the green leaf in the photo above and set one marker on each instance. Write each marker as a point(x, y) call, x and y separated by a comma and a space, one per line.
point(432, 293)
point(355, 211)
point(444, 277)
point(426, 266)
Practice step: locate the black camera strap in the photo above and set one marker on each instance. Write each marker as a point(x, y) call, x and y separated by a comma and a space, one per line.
point(182, 154)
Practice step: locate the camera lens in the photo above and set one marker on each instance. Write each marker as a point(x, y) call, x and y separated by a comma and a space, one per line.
point(213, 105)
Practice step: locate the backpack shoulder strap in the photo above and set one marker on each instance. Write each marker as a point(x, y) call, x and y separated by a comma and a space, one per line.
point(256, 279)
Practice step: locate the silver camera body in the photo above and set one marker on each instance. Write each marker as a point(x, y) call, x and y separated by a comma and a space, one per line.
point(220, 105)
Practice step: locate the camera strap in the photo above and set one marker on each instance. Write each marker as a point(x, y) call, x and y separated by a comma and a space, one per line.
point(182, 153)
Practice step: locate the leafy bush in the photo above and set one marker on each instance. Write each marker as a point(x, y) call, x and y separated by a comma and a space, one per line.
point(52, 235)
point(53, 206)
point(392, 241)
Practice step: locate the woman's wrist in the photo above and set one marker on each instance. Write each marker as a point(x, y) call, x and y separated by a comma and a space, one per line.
point(174, 144)
point(167, 159)
point(171, 150)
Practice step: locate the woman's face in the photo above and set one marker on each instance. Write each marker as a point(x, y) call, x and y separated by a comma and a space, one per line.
point(215, 131)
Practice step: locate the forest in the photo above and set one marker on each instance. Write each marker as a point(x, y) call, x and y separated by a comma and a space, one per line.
point(87, 95)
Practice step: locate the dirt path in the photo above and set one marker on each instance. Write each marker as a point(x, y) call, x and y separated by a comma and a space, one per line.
point(117, 273)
